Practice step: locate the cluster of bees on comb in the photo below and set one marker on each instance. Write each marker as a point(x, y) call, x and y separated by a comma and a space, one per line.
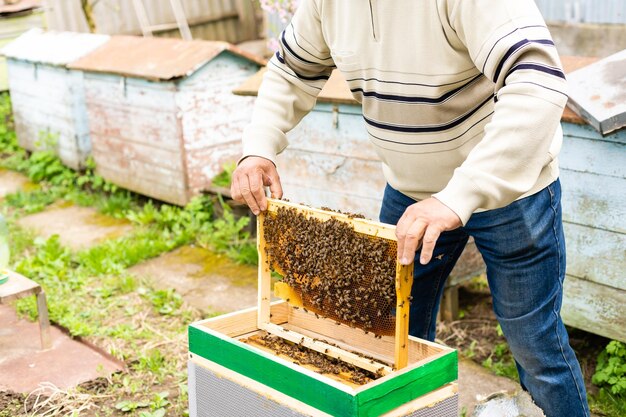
point(340, 274)
point(304, 356)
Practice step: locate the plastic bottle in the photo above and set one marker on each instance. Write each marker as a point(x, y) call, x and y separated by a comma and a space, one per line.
point(4, 250)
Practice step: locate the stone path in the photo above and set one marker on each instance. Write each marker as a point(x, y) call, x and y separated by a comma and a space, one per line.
point(476, 382)
point(11, 182)
point(207, 281)
point(23, 365)
point(77, 227)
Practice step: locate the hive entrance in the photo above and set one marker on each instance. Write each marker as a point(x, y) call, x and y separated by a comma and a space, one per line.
point(338, 267)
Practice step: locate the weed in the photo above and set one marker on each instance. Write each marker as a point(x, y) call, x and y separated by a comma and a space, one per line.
point(611, 369)
point(224, 178)
point(129, 406)
point(165, 302)
point(610, 376)
point(228, 235)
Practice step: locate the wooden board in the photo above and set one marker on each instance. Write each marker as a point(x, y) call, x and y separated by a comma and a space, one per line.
point(596, 255)
point(594, 307)
point(18, 286)
point(382, 348)
point(363, 226)
point(315, 390)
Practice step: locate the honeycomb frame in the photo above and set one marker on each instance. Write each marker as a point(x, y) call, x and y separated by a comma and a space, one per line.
point(403, 283)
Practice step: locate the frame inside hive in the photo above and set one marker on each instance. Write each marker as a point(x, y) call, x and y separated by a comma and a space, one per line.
point(403, 283)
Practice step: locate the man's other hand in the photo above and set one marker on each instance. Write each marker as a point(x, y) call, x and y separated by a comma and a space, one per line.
point(420, 225)
point(251, 175)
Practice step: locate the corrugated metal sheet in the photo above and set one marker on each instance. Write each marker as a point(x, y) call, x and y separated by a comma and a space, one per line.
point(228, 20)
point(154, 58)
point(53, 48)
point(588, 11)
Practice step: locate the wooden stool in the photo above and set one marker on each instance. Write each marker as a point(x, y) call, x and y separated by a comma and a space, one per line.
point(18, 286)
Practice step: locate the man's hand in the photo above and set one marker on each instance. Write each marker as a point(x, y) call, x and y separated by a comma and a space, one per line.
point(252, 174)
point(420, 225)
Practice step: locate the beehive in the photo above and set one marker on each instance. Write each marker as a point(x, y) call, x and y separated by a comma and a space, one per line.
point(162, 116)
point(593, 177)
point(48, 98)
point(15, 19)
point(231, 375)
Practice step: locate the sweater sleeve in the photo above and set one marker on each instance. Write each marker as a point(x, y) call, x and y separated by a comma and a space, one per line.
point(509, 43)
point(294, 78)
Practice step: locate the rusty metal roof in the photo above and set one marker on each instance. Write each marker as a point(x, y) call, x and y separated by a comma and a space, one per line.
point(53, 48)
point(598, 93)
point(157, 59)
point(20, 6)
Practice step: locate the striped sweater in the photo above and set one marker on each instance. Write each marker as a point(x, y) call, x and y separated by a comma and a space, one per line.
point(461, 98)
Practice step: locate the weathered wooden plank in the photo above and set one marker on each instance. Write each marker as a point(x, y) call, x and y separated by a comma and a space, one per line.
point(356, 177)
point(335, 134)
point(312, 195)
point(593, 156)
point(111, 146)
point(48, 99)
point(27, 78)
point(110, 90)
point(596, 255)
point(218, 117)
point(205, 163)
point(135, 124)
point(594, 307)
point(149, 187)
point(595, 200)
point(588, 132)
point(136, 167)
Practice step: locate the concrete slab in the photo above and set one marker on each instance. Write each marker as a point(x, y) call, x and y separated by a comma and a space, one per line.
point(476, 381)
point(207, 281)
point(77, 227)
point(23, 365)
point(11, 182)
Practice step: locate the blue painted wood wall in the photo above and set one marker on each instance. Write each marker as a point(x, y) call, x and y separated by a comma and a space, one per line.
point(593, 175)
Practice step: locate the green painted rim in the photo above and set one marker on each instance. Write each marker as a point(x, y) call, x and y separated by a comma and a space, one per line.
point(264, 368)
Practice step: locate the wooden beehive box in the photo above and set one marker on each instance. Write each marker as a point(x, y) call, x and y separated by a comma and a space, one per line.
point(229, 377)
point(163, 118)
point(48, 98)
point(593, 176)
point(407, 368)
point(15, 19)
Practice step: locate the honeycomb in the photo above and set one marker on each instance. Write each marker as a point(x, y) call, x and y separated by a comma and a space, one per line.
point(339, 273)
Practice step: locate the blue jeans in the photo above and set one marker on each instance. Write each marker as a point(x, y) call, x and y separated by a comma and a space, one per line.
point(523, 247)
